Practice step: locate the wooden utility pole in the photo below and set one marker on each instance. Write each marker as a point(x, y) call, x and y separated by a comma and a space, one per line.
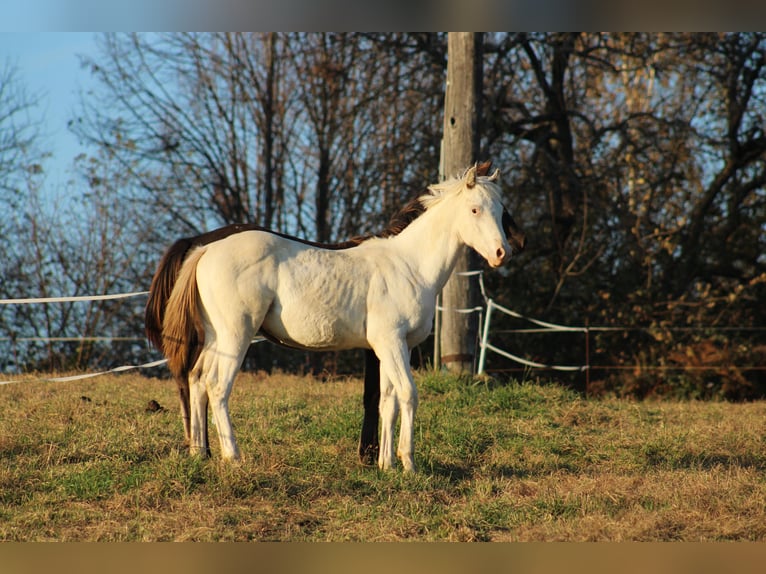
point(460, 148)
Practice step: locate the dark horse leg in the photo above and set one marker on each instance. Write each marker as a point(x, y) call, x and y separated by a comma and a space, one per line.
point(368, 444)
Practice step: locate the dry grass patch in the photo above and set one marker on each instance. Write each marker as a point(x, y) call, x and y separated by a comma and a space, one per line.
point(87, 461)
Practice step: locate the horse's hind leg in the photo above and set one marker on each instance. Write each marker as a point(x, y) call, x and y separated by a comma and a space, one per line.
point(183, 394)
point(198, 441)
point(220, 381)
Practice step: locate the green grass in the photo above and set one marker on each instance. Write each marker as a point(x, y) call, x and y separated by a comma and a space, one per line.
point(86, 461)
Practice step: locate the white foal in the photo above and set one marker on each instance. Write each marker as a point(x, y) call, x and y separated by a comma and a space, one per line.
point(379, 295)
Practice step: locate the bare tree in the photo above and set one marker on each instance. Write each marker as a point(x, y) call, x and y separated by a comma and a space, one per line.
point(77, 244)
point(190, 116)
point(303, 132)
point(20, 135)
point(370, 141)
point(657, 141)
point(21, 160)
point(634, 161)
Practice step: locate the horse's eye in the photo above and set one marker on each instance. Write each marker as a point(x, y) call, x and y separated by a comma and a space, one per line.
point(475, 210)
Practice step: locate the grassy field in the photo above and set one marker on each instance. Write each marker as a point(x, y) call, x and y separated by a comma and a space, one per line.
point(86, 460)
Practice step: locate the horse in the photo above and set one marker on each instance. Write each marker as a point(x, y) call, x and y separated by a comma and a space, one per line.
point(170, 264)
point(167, 270)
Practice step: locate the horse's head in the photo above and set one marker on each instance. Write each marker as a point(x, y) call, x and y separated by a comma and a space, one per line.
point(516, 237)
point(480, 216)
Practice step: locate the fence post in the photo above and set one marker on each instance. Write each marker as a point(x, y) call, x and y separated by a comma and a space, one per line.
point(484, 338)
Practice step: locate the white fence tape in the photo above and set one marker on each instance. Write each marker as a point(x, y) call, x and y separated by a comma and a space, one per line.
point(485, 345)
point(484, 326)
point(88, 375)
point(70, 339)
point(70, 299)
point(533, 364)
point(36, 300)
point(457, 310)
point(546, 327)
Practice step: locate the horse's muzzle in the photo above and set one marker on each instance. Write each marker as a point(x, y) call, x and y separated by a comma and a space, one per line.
point(501, 256)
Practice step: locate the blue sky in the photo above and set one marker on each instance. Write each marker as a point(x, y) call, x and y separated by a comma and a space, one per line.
point(49, 66)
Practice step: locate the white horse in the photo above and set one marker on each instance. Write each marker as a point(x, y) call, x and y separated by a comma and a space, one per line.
point(379, 295)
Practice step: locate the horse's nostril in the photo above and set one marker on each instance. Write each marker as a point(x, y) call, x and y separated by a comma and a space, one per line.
point(500, 253)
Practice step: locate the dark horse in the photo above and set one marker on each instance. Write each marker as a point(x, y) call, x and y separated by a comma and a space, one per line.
point(167, 270)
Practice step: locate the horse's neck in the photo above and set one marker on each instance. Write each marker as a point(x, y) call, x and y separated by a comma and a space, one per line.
point(432, 245)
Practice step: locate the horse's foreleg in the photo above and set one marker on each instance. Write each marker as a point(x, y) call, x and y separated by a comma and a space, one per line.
point(394, 367)
point(407, 395)
point(368, 443)
point(389, 408)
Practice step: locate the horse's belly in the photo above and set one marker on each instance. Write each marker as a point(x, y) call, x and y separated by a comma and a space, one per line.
point(312, 330)
point(319, 302)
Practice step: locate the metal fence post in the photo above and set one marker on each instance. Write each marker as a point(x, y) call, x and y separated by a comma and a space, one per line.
point(484, 338)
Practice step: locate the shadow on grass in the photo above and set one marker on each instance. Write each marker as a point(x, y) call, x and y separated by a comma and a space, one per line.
point(701, 461)
point(455, 474)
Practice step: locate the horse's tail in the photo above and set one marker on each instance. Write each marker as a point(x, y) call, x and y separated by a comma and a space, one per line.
point(182, 331)
point(162, 286)
point(154, 315)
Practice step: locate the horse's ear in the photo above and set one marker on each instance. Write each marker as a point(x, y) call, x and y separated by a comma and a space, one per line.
point(483, 168)
point(495, 175)
point(470, 177)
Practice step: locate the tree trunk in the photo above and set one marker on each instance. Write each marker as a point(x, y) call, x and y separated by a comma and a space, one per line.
point(462, 112)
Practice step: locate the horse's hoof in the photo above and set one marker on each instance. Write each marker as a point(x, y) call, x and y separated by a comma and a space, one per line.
point(408, 462)
point(368, 455)
point(200, 452)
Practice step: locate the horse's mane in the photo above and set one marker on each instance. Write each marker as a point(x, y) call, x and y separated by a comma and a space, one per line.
point(402, 218)
point(418, 205)
point(437, 192)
